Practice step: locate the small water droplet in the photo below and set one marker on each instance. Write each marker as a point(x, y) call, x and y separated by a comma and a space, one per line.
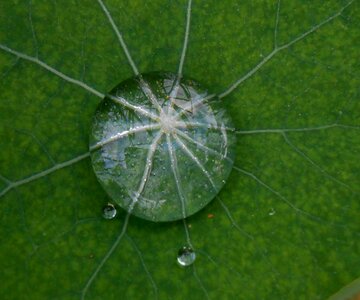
point(109, 211)
point(186, 256)
point(272, 212)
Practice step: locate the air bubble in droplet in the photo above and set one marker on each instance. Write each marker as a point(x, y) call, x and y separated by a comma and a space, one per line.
point(109, 211)
point(186, 256)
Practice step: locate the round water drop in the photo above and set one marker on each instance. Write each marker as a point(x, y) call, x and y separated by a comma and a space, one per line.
point(109, 211)
point(160, 149)
point(186, 256)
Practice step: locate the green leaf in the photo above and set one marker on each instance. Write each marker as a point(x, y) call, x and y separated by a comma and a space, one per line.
point(286, 224)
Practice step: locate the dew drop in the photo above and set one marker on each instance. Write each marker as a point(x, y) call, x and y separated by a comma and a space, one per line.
point(109, 211)
point(186, 256)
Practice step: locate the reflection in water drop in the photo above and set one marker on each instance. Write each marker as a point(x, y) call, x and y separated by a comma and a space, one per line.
point(109, 211)
point(186, 256)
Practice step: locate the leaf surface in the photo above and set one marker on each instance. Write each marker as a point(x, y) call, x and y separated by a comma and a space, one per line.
point(286, 224)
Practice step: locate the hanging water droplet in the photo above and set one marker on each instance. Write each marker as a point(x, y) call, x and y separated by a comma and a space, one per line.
point(186, 256)
point(109, 211)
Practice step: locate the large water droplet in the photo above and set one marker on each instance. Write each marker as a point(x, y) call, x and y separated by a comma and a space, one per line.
point(186, 256)
point(109, 211)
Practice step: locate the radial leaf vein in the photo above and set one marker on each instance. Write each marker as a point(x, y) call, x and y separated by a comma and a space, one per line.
point(278, 49)
point(52, 70)
point(144, 179)
point(146, 269)
point(174, 168)
point(120, 38)
point(284, 130)
point(285, 200)
point(200, 145)
point(307, 158)
point(106, 257)
point(208, 176)
point(41, 174)
point(123, 134)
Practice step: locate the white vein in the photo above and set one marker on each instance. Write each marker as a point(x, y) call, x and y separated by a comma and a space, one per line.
point(149, 94)
point(196, 160)
point(225, 139)
point(9, 69)
point(174, 168)
point(186, 40)
point(147, 170)
point(123, 134)
point(144, 86)
point(307, 158)
point(200, 145)
point(316, 27)
point(39, 175)
point(38, 142)
point(120, 38)
point(192, 105)
point(188, 240)
point(200, 282)
point(188, 124)
point(282, 130)
point(248, 75)
point(276, 24)
point(33, 29)
point(141, 110)
point(106, 257)
point(3, 178)
point(151, 279)
point(208, 176)
point(52, 70)
point(175, 89)
point(187, 234)
point(298, 210)
point(229, 215)
point(278, 49)
point(144, 179)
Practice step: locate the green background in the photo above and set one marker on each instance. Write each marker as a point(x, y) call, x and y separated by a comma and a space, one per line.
point(288, 224)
